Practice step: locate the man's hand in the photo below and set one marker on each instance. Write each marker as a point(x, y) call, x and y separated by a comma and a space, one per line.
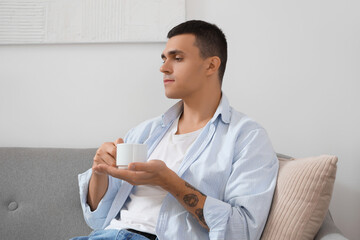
point(105, 155)
point(153, 172)
point(98, 184)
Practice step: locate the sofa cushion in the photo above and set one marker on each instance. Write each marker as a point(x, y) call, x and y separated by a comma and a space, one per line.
point(39, 194)
point(301, 198)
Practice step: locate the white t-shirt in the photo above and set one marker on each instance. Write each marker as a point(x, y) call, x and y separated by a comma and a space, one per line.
point(141, 210)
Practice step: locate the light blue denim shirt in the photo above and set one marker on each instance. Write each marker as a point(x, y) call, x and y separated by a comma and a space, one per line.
point(232, 162)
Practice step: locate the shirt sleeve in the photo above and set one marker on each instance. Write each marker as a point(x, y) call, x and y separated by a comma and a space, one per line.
point(95, 219)
point(249, 190)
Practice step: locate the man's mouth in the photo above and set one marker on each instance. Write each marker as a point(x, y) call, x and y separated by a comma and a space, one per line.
point(166, 81)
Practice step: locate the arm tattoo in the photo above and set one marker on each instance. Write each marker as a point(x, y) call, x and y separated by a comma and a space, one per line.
point(200, 214)
point(191, 200)
point(191, 187)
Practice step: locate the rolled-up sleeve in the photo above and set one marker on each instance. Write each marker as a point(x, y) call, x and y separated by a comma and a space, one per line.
point(95, 219)
point(249, 190)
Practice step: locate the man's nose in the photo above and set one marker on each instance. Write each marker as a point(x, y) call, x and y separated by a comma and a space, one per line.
point(166, 68)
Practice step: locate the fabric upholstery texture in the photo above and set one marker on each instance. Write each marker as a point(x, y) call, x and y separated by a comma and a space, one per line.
point(39, 196)
point(302, 197)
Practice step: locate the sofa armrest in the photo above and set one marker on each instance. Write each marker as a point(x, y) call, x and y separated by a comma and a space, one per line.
point(329, 231)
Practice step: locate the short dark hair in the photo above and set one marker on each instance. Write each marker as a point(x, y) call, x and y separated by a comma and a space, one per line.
point(210, 40)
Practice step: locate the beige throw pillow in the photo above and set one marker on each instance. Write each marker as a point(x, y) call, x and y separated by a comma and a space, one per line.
point(301, 198)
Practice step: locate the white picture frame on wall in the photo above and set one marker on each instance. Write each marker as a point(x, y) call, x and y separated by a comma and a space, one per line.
point(88, 21)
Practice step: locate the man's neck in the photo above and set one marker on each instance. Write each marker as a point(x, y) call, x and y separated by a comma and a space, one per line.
point(198, 110)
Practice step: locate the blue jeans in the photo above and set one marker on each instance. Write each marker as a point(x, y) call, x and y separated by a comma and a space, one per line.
point(111, 234)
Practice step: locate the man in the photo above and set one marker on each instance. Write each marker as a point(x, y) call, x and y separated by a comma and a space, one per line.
point(211, 171)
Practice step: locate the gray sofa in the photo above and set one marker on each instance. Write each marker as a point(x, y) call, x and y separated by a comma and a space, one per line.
point(39, 196)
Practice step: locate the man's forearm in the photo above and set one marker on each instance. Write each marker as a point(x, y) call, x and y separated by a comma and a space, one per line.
point(190, 198)
point(97, 188)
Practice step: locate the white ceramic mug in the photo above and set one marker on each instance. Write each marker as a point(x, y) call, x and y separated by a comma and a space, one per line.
point(129, 152)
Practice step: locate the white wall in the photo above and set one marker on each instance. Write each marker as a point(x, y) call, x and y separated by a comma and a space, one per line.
point(77, 95)
point(293, 67)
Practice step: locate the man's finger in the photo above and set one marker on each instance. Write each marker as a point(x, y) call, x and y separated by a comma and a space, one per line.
point(114, 171)
point(107, 159)
point(139, 166)
point(118, 141)
point(133, 177)
point(105, 169)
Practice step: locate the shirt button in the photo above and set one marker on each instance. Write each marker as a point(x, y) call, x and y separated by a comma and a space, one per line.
point(13, 206)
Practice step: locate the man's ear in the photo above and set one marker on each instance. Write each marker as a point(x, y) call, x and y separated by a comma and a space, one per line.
point(213, 64)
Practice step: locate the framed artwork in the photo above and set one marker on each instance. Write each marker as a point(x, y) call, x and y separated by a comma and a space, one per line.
point(88, 21)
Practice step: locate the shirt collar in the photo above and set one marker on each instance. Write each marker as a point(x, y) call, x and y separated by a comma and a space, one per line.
point(224, 110)
point(171, 114)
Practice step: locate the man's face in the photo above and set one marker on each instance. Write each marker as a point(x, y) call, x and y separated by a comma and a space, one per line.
point(183, 68)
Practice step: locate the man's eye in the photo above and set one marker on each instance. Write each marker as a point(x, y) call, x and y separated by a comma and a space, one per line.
point(178, 59)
